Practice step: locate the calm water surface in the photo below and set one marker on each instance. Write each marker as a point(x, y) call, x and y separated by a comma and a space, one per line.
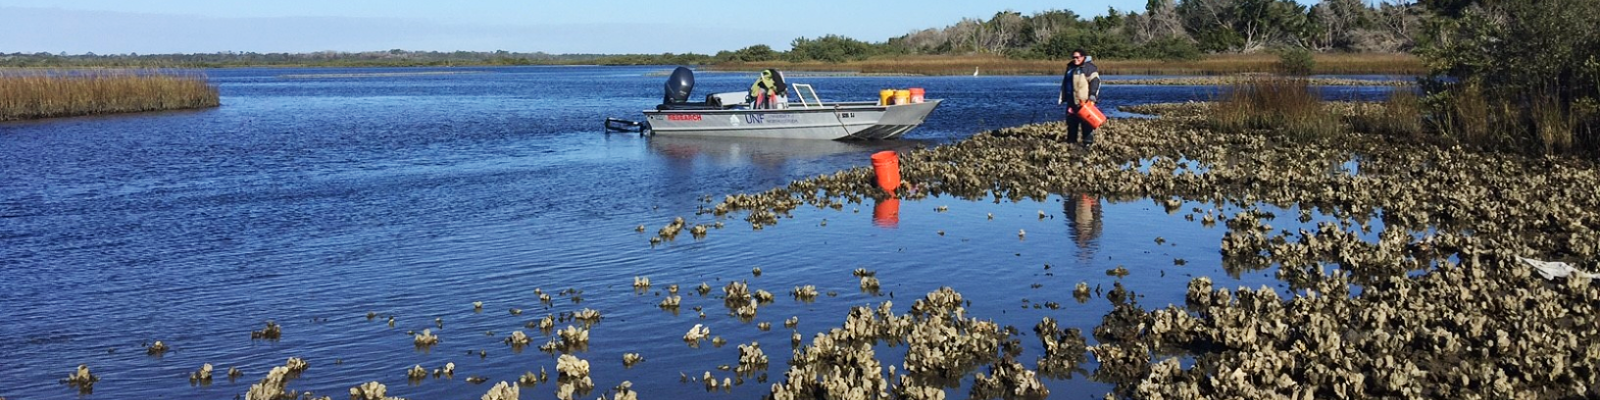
point(315, 196)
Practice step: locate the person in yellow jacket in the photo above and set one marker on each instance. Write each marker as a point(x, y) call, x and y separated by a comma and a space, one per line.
point(767, 89)
point(1079, 84)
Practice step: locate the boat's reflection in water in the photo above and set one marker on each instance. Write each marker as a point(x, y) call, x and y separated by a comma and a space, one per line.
point(767, 152)
point(751, 165)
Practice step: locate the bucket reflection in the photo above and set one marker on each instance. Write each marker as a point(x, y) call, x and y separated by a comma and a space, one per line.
point(886, 214)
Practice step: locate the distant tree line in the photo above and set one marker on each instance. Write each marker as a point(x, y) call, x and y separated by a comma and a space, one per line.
point(1165, 29)
point(388, 58)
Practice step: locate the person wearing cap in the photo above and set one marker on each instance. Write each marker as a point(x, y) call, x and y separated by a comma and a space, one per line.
point(1080, 84)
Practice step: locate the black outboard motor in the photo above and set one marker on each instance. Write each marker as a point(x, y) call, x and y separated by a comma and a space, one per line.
point(678, 86)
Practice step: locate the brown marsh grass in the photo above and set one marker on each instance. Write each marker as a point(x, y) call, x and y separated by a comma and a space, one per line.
point(50, 94)
point(1326, 64)
point(1288, 106)
point(1399, 116)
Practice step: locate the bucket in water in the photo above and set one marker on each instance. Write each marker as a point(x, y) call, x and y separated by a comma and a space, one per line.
point(886, 165)
point(886, 213)
point(916, 95)
point(902, 96)
point(884, 96)
point(1092, 115)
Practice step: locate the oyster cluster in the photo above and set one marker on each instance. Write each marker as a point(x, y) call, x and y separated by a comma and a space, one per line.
point(942, 346)
point(82, 380)
point(201, 376)
point(272, 331)
point(572, 377)
point(275, 385)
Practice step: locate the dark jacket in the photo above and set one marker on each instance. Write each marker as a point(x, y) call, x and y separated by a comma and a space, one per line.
point(1080, 83)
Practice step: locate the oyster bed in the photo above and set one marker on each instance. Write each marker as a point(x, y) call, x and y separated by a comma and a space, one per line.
point(1435, 303)
point(1438, 306)
point(1228, 80)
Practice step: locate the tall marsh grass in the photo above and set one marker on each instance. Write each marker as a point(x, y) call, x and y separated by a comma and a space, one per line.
point(1287, 107)
point(1399, 116)
point(50, 94)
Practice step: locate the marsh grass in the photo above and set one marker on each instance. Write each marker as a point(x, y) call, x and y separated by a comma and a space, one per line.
point(50, 94)
point(1325, 64)
point(1288, 107)
point(1399, 116)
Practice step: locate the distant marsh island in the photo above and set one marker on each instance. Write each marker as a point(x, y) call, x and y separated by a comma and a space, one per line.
point(26, 95)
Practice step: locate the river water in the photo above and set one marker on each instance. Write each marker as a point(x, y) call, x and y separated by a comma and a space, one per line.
point(315, 196)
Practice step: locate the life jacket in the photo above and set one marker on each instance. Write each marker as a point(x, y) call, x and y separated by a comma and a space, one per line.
point(770, 82)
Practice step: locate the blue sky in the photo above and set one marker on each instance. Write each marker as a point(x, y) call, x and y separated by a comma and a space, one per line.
point(631, 26)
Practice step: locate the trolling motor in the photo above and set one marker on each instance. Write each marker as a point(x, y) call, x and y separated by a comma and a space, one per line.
point(622, 125)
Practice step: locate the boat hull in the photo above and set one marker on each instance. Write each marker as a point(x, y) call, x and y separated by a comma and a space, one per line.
point(832, 121)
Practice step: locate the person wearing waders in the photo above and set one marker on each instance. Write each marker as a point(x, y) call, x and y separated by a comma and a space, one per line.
point(1080, 84)
point(767, 89)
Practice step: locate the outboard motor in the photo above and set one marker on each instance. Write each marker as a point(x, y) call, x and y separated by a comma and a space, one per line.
point(678, 86)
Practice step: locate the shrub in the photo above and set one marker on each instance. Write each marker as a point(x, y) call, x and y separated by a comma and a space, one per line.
point(1285, 107)
point(1296, 61)
point(1170, 49)
point(1516, 74)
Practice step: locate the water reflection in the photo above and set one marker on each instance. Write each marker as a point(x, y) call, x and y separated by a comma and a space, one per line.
point(1083, 223)
point(886, 213)
point(766, 153)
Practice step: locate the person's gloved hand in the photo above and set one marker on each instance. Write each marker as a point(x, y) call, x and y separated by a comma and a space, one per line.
point(1094, 98)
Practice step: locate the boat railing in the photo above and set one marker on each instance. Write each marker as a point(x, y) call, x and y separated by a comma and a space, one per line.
point(800, 90)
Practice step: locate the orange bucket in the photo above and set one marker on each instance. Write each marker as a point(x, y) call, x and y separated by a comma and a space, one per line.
point(1092, 115)
point(886, 213)
point(916, 95)
point(886, 165)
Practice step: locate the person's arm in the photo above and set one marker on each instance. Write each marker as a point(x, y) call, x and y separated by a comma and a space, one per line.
point(1094, 84)
point(1066, 86)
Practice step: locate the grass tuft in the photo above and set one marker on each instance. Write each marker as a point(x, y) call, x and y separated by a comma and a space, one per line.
point(1399, 116)
point(1284, 106)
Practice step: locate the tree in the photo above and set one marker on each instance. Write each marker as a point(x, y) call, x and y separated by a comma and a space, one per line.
point(830, 48)
point(1159, 21)
point(1534, 61)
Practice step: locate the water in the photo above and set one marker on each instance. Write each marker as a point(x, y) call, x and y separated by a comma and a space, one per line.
point(315, 196)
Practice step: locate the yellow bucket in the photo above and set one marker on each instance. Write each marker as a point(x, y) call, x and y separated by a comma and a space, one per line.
point(884, 96)
point(902, 96)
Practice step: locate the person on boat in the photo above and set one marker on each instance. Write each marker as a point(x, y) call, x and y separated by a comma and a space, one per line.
point(767, 89)
point(1081, 82)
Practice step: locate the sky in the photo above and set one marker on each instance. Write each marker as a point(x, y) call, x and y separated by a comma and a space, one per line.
point(556, 27)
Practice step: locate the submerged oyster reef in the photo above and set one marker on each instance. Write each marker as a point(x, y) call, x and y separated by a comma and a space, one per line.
point(1437, 306)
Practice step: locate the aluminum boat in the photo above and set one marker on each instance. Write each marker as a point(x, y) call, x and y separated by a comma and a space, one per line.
point(803, 117)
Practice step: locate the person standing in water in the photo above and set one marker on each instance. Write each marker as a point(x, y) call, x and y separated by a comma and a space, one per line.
point(1080, 84)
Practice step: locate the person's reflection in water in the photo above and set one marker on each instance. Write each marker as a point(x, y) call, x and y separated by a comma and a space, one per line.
point(1083, 221)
